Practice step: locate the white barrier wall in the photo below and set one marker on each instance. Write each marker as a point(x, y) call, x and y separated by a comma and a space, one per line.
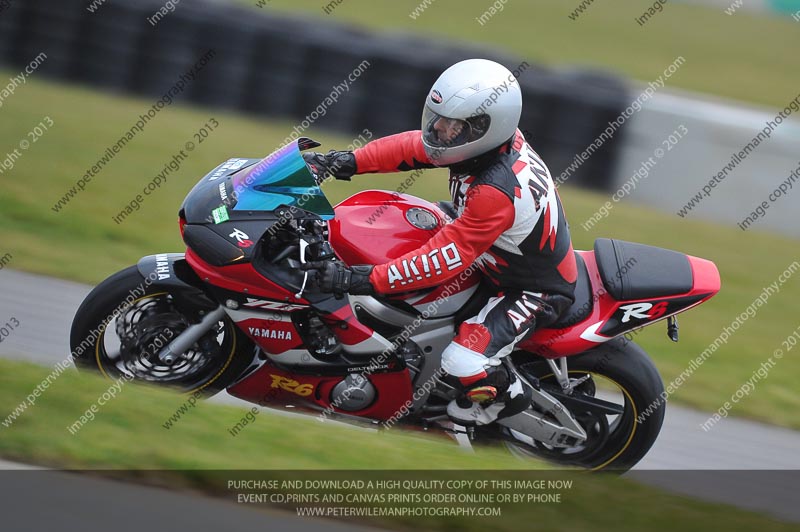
point(716, 131)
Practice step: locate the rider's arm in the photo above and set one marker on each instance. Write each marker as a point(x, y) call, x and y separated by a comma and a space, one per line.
point(396, 153)
point(487, 214)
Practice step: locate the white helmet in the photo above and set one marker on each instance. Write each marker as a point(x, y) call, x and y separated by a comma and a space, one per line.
point(472, 108)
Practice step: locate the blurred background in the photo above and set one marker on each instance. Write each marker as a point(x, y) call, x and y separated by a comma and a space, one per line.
point(634, 105)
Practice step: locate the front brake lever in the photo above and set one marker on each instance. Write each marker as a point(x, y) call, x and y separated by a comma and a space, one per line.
point(303, 248)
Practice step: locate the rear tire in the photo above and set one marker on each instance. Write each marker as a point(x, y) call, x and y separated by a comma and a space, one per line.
point(143, 328)
point(630, 435)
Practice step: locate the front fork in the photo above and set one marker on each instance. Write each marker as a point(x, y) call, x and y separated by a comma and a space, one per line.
point(184, 341)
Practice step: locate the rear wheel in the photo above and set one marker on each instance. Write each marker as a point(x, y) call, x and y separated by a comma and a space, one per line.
point(119, 339)
point(620, 372)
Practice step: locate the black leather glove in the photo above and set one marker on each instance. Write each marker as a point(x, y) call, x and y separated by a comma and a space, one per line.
point(339, 164)
point(335, 277)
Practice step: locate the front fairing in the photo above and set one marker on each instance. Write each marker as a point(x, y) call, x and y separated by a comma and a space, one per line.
point(247, 189)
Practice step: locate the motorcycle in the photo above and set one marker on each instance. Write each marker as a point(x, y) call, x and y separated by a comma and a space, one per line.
point(237, 312)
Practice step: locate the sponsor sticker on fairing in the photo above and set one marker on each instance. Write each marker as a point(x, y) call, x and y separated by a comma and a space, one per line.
point(220, 214)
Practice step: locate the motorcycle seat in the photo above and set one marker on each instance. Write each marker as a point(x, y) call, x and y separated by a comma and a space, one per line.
point(636, 271)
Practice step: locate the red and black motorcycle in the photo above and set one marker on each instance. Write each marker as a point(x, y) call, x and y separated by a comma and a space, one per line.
point(236, 312)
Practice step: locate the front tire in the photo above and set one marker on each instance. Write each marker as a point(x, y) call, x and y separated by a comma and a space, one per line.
point(616, 442)
point(123, 324)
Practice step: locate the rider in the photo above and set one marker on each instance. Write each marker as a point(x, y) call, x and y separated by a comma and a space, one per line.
point(508, 220)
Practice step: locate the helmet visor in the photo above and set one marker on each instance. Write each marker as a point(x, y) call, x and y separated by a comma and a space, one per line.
point(443, 132)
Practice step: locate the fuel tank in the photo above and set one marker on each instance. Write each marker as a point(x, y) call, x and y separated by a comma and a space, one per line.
point(376, 226)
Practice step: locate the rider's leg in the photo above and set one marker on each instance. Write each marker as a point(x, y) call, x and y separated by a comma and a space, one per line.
point(489, 391)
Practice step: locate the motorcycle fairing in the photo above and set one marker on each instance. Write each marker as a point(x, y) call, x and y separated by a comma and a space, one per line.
point(610, 317)
point(282, 386)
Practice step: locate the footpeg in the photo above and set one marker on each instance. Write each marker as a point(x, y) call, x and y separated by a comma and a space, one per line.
point(672, 328)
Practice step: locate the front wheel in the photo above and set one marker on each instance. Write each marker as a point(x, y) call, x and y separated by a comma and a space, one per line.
point(620, 372)
point(124, 323)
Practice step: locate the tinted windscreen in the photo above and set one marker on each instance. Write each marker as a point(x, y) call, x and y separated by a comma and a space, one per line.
point(281, 178)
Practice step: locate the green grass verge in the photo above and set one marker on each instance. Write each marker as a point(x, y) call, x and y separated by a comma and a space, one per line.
point(127, 433)
point(84, 244)
point(743, 56)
